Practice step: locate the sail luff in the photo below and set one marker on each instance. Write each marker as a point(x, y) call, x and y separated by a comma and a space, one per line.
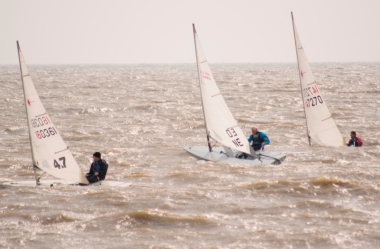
point(200, 88)
point(298, 64)
point(27, 115)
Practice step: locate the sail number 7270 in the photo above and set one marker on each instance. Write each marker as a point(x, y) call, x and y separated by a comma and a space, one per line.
point(312, 96)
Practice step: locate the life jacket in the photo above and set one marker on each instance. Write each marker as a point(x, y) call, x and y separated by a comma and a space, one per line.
point(359, 142)
point(257, 141)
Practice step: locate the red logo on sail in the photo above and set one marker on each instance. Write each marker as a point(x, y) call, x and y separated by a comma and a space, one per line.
point(302, 73)
point(205, 75)
point(29, 102)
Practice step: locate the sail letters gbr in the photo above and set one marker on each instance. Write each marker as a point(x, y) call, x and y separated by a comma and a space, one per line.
point(231, 133)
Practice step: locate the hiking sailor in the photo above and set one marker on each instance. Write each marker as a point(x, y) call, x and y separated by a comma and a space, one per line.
point(258, 139)
point(98, 169)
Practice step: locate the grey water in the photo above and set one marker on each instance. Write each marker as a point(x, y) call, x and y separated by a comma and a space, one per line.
point(140, 116)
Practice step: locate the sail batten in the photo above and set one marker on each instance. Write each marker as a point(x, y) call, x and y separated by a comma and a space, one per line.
point(60, 151)
point(219, 122)
point(326, 118)
point(320, 129)
point(45, 141)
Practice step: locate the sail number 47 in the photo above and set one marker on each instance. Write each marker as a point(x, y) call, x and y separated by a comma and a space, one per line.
point(59, 166)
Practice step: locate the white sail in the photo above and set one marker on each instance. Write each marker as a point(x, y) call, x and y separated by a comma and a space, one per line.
point(49, 152)
point(321, 126)
point(220, 124)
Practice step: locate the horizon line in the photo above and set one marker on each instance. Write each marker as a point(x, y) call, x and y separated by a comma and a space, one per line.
point(178, 63)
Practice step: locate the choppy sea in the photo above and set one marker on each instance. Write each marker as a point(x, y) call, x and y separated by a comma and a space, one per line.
point(140, 116)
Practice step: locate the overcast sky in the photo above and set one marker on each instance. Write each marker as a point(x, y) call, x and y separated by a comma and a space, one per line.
point(160, 31)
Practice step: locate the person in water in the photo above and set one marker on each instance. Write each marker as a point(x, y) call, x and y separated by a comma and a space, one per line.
point(355, 140)
point(98, 168)
point(258, 139)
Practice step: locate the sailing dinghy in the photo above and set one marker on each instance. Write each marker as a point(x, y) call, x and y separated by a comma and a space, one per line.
point(220, 124)
point(50, 154)
point(321, 127)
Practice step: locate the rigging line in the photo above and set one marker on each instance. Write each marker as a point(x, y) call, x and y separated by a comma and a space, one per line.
point(270, 157)
point(39, 178)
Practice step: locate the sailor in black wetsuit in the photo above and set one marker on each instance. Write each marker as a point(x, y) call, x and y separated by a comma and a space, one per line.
point(98, 169)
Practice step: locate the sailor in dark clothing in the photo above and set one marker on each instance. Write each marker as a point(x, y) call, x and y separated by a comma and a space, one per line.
point(98, 169)
point(258, 139)
point(355, 140)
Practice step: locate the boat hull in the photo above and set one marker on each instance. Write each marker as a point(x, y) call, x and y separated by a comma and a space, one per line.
point(218, 155)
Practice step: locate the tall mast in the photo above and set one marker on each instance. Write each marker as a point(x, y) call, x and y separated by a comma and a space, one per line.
point(26, 110)
point(298, 63)
point(200, 87)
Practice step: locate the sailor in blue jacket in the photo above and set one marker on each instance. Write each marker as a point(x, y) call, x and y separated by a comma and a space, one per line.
point(258, 139)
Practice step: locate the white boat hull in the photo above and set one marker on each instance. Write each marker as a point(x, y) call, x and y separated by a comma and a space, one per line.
point(218, 155)
point(51, 183)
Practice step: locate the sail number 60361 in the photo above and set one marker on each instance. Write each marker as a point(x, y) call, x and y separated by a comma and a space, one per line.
point(43, 133)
